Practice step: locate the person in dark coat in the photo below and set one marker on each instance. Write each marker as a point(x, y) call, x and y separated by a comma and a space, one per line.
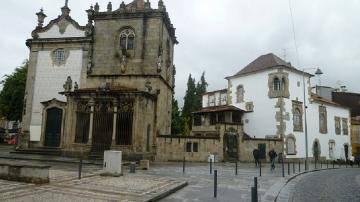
point(256, 155)
point(272, 155)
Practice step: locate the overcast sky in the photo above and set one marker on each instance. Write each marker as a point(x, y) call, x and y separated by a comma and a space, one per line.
point(220, 37)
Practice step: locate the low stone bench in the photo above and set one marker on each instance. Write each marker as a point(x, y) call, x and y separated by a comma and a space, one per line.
point(24, 172)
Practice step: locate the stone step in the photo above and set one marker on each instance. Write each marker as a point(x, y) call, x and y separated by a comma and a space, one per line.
point(39, 151)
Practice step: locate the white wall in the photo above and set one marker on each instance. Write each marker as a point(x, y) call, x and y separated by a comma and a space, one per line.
point(49, 82)
point(70, 31)
point(261, 122)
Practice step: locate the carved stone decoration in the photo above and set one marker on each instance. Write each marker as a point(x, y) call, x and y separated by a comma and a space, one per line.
point(76, 86)
point(123, 64)
point(63, 24)
point(104, 87)
point(68, 84)
point(148, 86)
point(249, 106)
point(159, 63)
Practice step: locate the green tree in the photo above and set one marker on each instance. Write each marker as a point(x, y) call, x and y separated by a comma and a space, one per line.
point(189, 99)
point(12, 94)
point(177, 123)
point(193, 100)
point(201, 88)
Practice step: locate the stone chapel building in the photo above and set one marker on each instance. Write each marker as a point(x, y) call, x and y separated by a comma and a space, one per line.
point(105, 85)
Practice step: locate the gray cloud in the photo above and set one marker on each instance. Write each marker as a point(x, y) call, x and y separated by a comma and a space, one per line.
point(221, 37)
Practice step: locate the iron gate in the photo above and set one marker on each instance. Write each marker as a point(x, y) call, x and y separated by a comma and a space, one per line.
point(103, 127)
point(82, 123)
point(124, 123)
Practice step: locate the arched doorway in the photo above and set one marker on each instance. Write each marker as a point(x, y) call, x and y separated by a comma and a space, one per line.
point(53, 127)
point(231, 146)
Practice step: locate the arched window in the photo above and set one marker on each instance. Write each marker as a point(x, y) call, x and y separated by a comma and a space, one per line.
point(127, 39)
point(276, 84)
point(240, 94)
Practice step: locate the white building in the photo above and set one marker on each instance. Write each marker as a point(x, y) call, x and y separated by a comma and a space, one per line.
point(271, 91)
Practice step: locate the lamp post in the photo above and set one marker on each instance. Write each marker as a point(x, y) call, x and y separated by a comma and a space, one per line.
point(318, 73)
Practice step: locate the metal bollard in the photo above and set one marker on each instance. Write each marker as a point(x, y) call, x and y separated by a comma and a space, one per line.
point(299, 167)
point(260, 168)
point(256, 186)
point(255, 183)
point(80, 167)
point(320, 164)
point(215, 183)
point(282, 167)
point(254, 197)
point(236, 167)
point(288, 168)
point(293, 167)
point(184, 165)
point(333, 164)
point(327, 164)
point(315, 164)
point(210, 166)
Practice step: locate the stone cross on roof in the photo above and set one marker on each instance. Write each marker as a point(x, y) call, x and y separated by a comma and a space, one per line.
point(66, 2)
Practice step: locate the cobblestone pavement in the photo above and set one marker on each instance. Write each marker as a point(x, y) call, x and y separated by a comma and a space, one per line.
point(338, 185)
point(230, 187)
point(64, 186)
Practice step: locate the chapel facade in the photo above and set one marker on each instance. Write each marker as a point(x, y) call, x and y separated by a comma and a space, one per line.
point(105, 85)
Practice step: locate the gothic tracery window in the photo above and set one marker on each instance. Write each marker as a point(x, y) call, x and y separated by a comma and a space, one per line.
point(127, 39)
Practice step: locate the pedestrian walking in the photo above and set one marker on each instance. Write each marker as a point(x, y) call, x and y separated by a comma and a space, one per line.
point(256, 155)
point(272, 155)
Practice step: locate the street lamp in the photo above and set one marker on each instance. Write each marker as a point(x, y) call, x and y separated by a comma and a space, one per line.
point(318, 73)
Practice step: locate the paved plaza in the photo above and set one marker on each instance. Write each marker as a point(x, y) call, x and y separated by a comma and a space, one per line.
point(196, 184)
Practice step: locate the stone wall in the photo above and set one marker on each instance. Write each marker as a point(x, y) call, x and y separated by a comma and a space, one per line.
point(174, 148)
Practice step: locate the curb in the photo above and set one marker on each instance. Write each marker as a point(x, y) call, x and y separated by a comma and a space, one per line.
point(50, 160)
point(167, 193)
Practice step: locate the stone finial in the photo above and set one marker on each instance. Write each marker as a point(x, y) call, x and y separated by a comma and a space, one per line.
point(147, 5)
point(122, 6)
point(41, 16)
point(65, 10)
point(109, 7)
point(68, 84)
point(161, 5)
point(90, 13)
point(97, 7)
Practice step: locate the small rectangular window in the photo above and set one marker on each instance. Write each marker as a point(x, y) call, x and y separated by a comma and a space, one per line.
point(195, 147)
point(188, 147)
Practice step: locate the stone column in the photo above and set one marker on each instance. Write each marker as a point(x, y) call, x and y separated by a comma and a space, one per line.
point(115, 103)
point(92, 107)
